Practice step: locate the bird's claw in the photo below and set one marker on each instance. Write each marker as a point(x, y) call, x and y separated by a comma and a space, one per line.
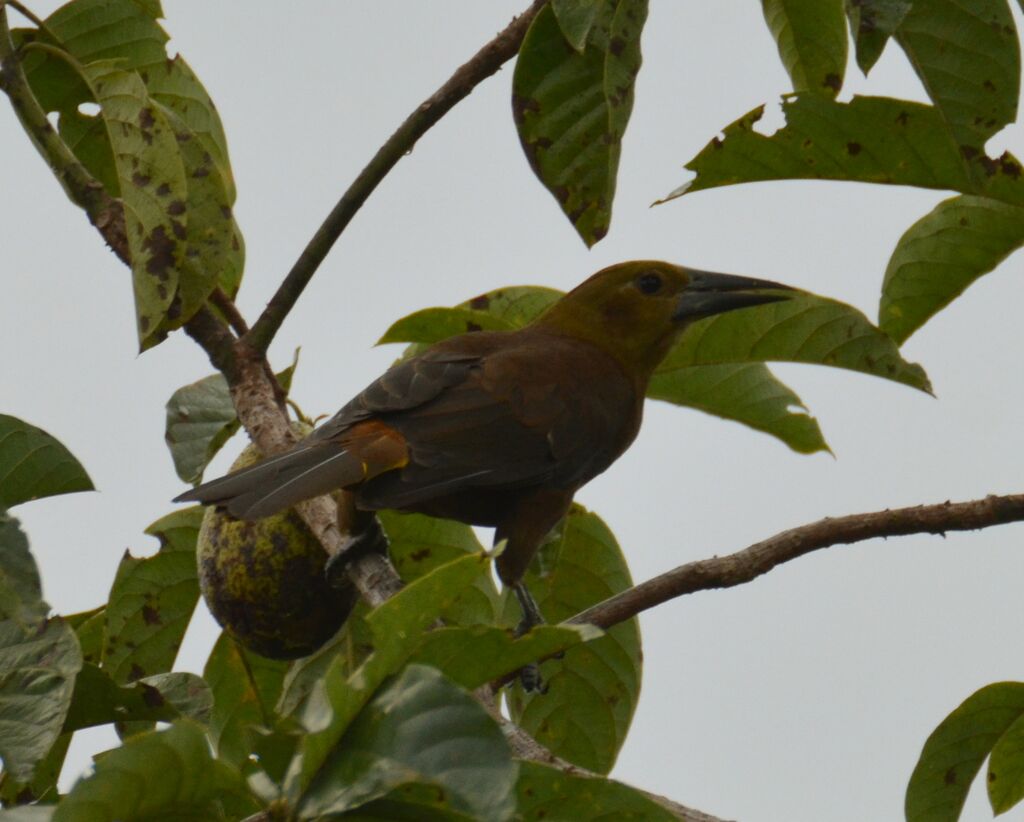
point(369, 540)
point(531, 680)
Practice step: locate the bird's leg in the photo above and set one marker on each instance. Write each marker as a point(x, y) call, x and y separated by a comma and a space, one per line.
point(364, 536)
point(531, 612)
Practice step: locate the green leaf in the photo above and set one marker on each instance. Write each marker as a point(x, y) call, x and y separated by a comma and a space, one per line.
point(21, 592)
point(397, 627)
point(200, 419)
point(166, 775)
point(419, 544)
point(431, 325)
point(805, 328)
point(575, 19)
point(98, 700)
point(473, 656)
point(873, 22)
point(33, 465)
point(811, 38)
point(747, 393)
point(572, 108)
point(37, 677)
point(42, 786)
point(941, 254)
point(152, 600)
point(593, 691)
point(1006, 769)
point(419, 729)
point(151, 179)
point(968, 58)
point(28, 813)
point(548, 793)
point(953, 753)
point(245, 687)
point(868, 140)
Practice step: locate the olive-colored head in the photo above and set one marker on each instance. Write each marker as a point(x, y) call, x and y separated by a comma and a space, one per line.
point(264, 581)
point(637, 310)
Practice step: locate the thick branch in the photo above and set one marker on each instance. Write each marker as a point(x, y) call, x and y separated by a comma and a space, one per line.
point(761, 557)
point(481, 66)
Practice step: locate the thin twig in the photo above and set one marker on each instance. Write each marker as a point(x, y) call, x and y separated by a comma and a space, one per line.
point(227, 307)
point(761, 557)
point(481, 66)
point(31, 16)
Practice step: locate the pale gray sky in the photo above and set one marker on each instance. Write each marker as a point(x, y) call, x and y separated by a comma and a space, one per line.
point(805, 695)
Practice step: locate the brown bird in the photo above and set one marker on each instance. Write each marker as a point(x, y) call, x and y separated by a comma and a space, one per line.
point(501, 428)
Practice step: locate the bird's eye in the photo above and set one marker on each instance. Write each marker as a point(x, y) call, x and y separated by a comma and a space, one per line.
point(649, 283)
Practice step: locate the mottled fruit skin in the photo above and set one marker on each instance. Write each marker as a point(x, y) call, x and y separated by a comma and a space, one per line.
point(264, 581)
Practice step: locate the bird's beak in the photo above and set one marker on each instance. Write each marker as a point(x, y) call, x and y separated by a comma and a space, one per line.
point(709, 293)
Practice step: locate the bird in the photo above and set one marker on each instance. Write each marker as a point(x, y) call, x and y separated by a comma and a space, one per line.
point(501, 428)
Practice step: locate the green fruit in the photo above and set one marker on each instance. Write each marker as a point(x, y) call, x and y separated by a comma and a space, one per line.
point(264, 581)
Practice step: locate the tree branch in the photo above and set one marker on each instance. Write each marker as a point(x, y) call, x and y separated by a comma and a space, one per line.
point(761, 557)
point(481, 66)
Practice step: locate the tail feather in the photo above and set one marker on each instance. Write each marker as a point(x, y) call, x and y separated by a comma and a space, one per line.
point(281, 481)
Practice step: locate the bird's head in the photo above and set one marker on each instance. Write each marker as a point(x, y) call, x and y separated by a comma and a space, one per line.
point(637, 310)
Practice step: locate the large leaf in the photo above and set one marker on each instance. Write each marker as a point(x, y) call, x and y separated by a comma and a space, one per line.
point(873, 22)
point(868, 140)
point(592, 692)
point(953, 754)
point(422, 730)
point(473, 656)
point(166, 775)
point(21, 592)
point(805, 328)
point(968, 58)
point(811, 37)
point(419, 544)
point(397, 627)
point(941, 254)
point(572, 107)
point(37, 676)
point(547, 793)
point(245, 687)
point(575, 18)
point(152, 600)
point(98, 700)
point(33, 464)
point(747, 393)
point(1006, 769)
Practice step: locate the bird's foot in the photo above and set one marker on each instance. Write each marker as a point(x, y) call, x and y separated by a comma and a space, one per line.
point(370, 539)
point(529, 675)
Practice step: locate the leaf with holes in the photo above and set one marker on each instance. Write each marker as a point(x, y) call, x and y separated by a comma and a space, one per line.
point(868, 140)
point(968, 58)
point(159, 775)
point(873, 22)
point(549, 793)
point(747, 393)
point(33, 465)
point(419, 544)
point(805, 328)
point(419, 729)
point(38, 666)
point(245, 687)
point(953, 754)
point(811, 38)
point(152, 600)
point(941, 254)
point(593, 690)
point(572, 107)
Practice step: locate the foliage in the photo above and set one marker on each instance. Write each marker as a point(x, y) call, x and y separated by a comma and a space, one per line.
point(380, 723)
